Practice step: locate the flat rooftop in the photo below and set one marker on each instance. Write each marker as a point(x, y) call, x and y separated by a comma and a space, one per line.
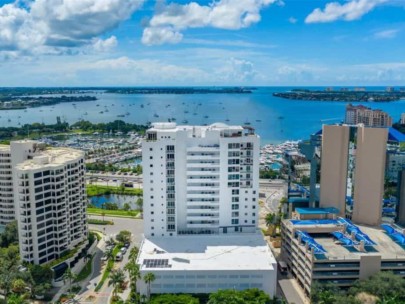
point(204, 253)
point(171, 127)
point(50, 157)
point(385, 246)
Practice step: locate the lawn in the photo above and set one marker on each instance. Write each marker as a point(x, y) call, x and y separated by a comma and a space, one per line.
point(94, 190)
point(123, 213)
point(86, 271)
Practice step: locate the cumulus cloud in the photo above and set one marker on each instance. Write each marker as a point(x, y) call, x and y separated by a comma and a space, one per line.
point(105, 45)
point(237, 71)
point(43, 25)
point(169, 20)
point(349, 11)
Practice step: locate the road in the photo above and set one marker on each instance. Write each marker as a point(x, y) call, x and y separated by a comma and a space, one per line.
point(135, 226)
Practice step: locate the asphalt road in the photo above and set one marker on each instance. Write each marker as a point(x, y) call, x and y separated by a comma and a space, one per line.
point(135, 226)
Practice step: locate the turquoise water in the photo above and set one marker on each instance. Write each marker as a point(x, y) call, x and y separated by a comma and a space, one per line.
point(120, 200)
point(275, 119)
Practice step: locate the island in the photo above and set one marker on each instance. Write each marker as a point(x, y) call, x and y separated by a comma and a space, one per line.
point(345, 95)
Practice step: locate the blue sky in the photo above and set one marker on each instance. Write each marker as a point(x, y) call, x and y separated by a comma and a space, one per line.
point(222, 42)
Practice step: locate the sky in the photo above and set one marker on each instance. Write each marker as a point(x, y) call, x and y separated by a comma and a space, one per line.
point(186, 43)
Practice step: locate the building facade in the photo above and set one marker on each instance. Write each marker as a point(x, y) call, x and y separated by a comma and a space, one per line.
point(47, 196)
point(353, 169)
point(200, 180)
point(320, 247)
point(367, 116)
point(402, 121)
point(201, 211)
point(395, 164)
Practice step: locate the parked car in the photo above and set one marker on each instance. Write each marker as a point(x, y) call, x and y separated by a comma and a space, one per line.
point(104, 258)
point(126, 245)
point(123, 250)
point(119, 256)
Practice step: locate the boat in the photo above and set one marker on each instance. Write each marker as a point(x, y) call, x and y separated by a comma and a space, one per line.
point(194, 113)
point(247, 123)
point(206, 116)
point(122, 115)
point(258, 120)
point(185, 121)
point(227, 120)
point(97, 105)
point(186, 112)
point(142, 106)
point(101, 112)
point(155, 115)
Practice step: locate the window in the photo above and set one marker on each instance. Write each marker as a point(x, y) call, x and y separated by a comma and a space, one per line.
point(235, 207)
point(235, 191)
point(235, 199)
point(235, 221)
point(233, 161)
point(233, 146)
point(235, 214)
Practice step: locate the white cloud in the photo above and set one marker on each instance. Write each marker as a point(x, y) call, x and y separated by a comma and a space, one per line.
point(292, 20)
point(160, 35)
point(237, 71)
point(105, 45)
point(50, 25)
point(349, 11)
point(169, 20)
point(386, 34)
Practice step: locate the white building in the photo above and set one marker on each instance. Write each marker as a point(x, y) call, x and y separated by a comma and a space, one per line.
point(10, 156)
point(48, 198)
point(203, 180)
point(207, 263)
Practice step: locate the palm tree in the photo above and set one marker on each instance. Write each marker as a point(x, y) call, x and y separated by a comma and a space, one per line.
point(117, 278)
point(271, 220)
point(134, 273)
point(70, 276)
point(133, 253)
point(149, 278)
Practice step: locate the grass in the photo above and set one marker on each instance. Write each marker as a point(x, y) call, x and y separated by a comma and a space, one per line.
point(119, 213)
point(86, 271)
point(109, 267)
point(99, 222)
point(95, 190)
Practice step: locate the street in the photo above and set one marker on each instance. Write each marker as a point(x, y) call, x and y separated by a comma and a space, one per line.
point(88, 295)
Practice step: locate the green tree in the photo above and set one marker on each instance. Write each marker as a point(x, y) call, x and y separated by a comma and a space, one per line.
point(10, 235)
point(19, 286)
point(117, 278)
point(133, 253)
point(139, 204)
point(134, 273)
point(271, 223)
point(149, 278)
point(384, 285)
point(123, 236)
point(126, 207)
point(174, 299)
point(9, 262)
point(69, 276)
point(231, 296)
point(17, 299)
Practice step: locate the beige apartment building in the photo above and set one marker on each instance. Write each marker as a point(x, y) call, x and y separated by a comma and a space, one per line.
point(367, 116)
point(353, 165)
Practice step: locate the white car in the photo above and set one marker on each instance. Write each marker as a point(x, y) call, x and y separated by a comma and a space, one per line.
point(123, 250)
point(104, 258)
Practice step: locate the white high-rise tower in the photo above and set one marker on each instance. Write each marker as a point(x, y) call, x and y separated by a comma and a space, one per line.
point(200, 180)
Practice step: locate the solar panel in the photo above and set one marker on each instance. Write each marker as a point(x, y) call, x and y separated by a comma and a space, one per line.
point(156, 263)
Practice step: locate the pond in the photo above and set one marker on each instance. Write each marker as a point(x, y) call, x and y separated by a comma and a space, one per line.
point(118, 199)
